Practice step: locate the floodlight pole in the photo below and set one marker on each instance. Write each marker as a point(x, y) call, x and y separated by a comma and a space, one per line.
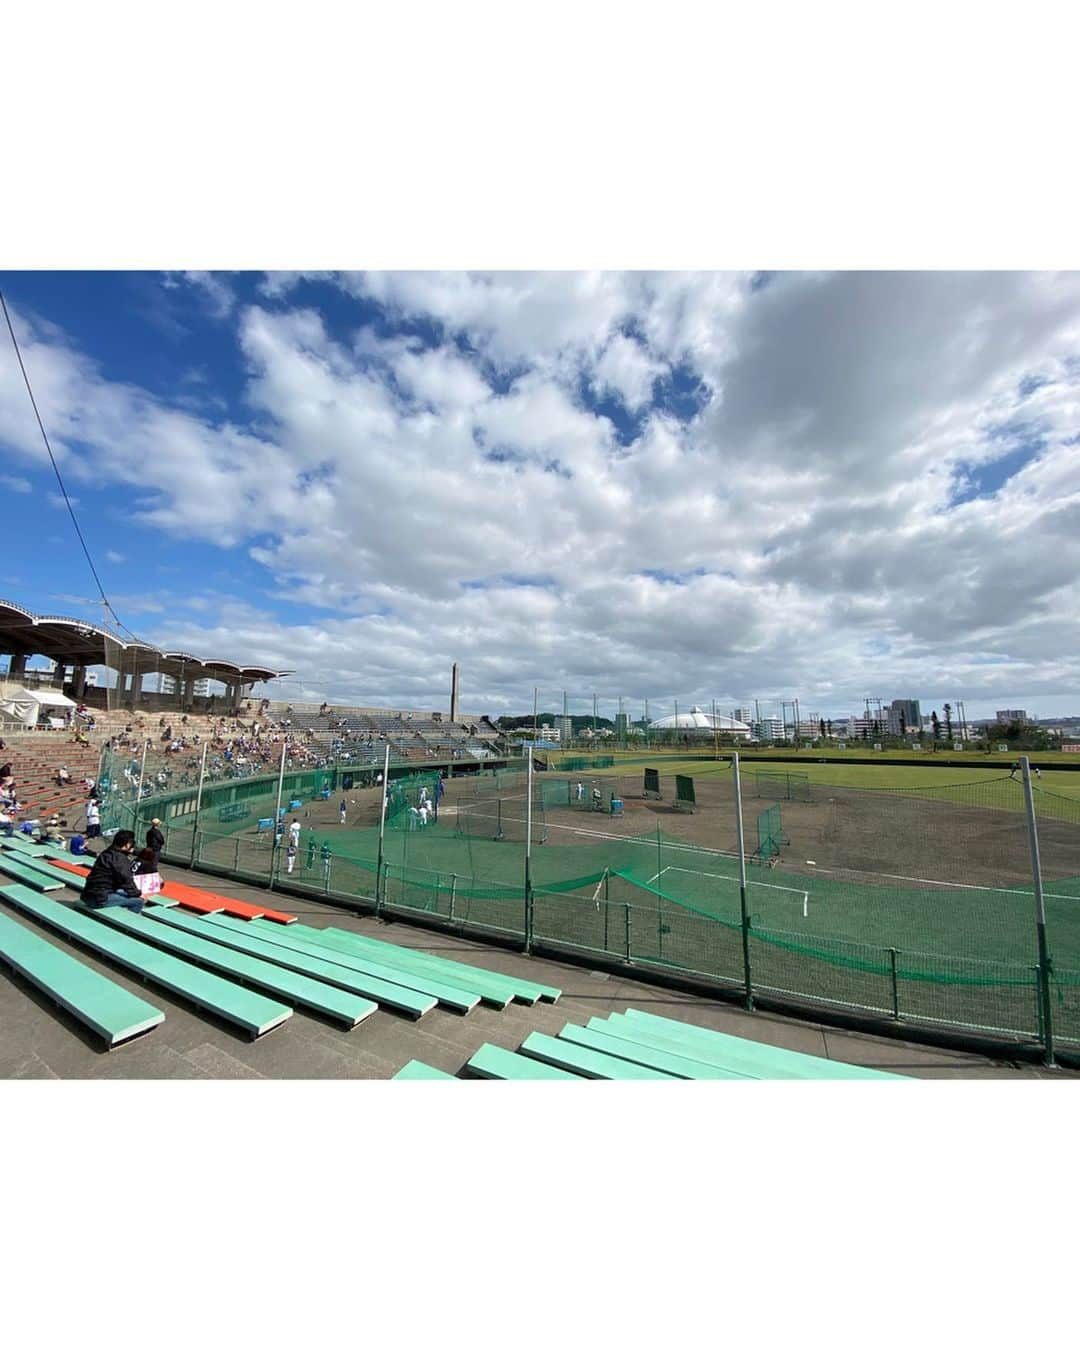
point(744, 913)
point(1045, 965)
point(382, 831)
point(198, 799)
point(277, 810)
point(528, 853)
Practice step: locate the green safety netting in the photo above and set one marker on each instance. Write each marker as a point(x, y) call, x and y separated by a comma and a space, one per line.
point(903, 903)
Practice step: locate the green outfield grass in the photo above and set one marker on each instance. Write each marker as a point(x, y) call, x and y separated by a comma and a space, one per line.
point(916, 775)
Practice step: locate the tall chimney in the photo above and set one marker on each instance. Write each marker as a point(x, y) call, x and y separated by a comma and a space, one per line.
point(454, 694)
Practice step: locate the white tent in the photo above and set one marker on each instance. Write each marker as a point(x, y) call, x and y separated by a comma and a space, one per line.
point(25, 705)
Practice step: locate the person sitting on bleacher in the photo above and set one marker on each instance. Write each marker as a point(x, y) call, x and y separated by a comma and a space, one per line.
point(111, 881)
point(49, 830)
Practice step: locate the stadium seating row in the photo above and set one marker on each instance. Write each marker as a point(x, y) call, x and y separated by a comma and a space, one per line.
point(640, 1046)
point(201, 956)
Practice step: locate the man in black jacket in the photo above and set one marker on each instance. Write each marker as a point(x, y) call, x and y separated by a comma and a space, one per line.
point(110, 881)
point(155, 841)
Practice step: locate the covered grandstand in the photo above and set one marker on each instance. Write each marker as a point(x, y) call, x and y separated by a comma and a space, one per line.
point(76, 646)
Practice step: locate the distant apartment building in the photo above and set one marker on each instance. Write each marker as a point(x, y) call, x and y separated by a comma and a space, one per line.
point(903, 716)
point(1007, 715)
point(167, 685)
point(744, 715)
point(766, 728)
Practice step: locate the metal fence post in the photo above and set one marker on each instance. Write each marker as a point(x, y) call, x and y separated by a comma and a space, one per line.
point(627, 909)
point(895, 990)
point(1045, 965)
point(198, 801)
point(528, 853)
point(453, 894)
point(744, 912)
point(382, 831)
point(607, 905)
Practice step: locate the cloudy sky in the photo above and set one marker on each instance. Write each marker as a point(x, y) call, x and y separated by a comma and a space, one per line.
point(654, 485)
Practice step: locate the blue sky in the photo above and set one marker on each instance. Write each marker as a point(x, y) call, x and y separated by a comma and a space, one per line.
point(653, 485)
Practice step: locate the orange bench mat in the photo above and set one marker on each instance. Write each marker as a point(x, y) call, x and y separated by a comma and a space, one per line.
point(203, 902)
point(206, 902)
point(70, 867)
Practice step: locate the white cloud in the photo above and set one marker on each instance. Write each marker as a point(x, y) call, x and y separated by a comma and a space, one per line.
point(13, 484)
point(626, 368)
point(803, 531)
point(214, 291)
point(113, 557)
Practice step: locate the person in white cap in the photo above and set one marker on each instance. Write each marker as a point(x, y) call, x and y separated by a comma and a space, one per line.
point(155, 841)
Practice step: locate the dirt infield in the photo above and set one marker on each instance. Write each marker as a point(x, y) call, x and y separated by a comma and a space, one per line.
point(884, 834)
point(892, 837)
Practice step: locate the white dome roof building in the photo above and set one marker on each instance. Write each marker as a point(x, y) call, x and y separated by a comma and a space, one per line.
point(697, 722)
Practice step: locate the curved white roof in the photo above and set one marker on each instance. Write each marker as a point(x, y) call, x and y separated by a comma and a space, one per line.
point(698, 720)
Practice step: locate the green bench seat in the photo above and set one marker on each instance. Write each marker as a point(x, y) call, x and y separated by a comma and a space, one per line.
point(492, 992)
point(295, 988)
point(418, 1072)
point(524, 991)
point(245, 1008)
point(44, 868)
point(22, 850)
point(746, 1056)
point(24, 871)
point(677, 1065)
point(581, 1060)
point(213, 929)
point(492, 1061)
point(108, 1009)
point(447, 994)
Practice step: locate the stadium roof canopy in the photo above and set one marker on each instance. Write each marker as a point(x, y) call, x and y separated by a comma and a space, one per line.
point(76, 642)
point(697, 720)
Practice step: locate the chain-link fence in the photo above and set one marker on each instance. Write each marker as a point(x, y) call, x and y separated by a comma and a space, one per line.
point(914, 905)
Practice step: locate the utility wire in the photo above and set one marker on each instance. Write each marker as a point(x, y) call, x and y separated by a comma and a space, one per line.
point(106, 604)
